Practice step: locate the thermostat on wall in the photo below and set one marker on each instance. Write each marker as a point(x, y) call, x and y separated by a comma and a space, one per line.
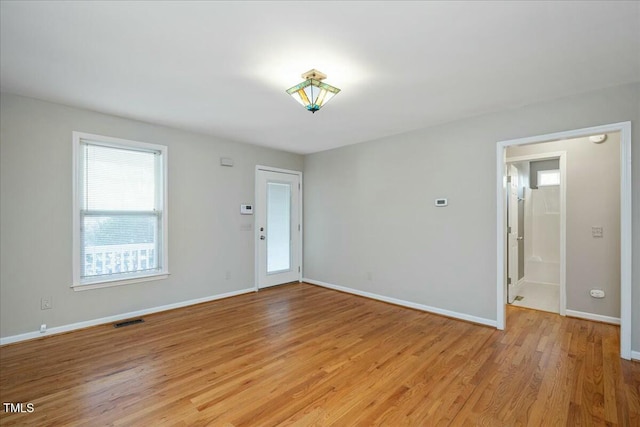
point(441, 202)
point(246, 209)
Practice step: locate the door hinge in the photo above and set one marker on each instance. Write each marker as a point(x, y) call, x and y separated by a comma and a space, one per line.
point(509, 230)
point(508, 280)
point(299, 186)
point(508, 179)
point(298, 269)
point(298, 227)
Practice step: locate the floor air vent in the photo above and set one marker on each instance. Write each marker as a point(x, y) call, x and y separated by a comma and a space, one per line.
point(127, 323)
point(519, 298)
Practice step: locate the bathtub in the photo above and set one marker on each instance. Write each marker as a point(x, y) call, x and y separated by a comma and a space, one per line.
point(541, 271)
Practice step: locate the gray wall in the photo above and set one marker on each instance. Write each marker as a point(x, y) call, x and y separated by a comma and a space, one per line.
point(369, 207)
point(593, 199)
point(205, 239)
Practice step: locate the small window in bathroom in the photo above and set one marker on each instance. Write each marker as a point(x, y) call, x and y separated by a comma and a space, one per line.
point(548, 177)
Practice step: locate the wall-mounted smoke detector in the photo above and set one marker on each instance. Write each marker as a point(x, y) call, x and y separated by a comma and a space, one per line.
point(597, 139)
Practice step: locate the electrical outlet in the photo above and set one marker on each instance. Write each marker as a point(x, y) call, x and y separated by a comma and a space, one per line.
point(43, 328)
point(46, 303)
point(596, 232)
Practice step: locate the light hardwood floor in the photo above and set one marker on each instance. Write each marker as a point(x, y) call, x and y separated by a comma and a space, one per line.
point(304, 355)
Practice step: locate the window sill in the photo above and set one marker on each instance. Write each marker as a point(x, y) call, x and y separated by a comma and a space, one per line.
point(119, 282)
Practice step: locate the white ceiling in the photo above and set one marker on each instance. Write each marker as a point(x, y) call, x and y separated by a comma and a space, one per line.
point(222, 68)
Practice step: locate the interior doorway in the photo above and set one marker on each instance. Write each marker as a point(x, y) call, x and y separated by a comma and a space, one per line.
point(536, 207)
point(591, 234)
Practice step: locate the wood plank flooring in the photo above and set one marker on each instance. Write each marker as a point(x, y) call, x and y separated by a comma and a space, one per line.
point(303, 355)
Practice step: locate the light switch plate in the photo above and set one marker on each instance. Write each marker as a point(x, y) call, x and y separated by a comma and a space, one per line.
point(596, 232)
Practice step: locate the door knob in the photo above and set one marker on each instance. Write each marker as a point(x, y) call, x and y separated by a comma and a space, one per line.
point(262, 237)
point(519, 238)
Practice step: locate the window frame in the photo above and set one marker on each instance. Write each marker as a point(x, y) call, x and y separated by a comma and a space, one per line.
point(548, 171)
point(80, 284)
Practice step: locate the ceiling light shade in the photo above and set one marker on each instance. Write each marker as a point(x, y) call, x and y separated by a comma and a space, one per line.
point(312, 93)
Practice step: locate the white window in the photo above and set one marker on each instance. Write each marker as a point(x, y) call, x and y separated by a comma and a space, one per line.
point(119, 214)
point(548, 177)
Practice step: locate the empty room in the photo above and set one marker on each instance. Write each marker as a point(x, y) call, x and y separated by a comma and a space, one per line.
point(260, 213)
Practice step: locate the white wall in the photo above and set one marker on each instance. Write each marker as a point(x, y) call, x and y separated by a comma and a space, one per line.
point(370, 207)
point(593, 199)
point(205, 240)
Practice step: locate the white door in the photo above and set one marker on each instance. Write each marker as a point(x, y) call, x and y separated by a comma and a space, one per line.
point(512, 223)
point(278, 226)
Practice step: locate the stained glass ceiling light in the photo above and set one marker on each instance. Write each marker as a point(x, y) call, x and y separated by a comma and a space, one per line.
point(312, 93)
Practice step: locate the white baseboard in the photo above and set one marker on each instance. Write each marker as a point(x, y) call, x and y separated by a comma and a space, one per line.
point(115, 318)
point(591, 316)
point(635, 355)
point(435, 310)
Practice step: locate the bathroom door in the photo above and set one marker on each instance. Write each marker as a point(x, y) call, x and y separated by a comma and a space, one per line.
point(512, 233)
point(278, 228)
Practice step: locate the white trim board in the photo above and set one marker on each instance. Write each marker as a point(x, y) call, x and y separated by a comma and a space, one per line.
point(403, 303)
point(625, 220)
point(115, 318)
point(635, 355)
point(595, 317)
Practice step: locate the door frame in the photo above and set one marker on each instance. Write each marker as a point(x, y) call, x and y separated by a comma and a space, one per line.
point(509, 230)
point(562, 156)
point(256, 234)
point(625, 220)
